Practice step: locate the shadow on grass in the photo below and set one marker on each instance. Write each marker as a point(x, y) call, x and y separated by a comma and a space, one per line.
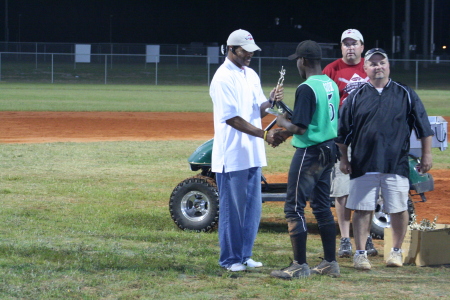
point(156, 223)
point(82, 258)
point(281, 227)
point(144, 220)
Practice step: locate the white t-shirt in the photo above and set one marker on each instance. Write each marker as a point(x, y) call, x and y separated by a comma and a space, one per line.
point(236, 92)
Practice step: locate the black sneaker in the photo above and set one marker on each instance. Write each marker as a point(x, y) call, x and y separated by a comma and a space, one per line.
point(327, 268)
point(293, 271)
point(371, 251)
point(345, 248)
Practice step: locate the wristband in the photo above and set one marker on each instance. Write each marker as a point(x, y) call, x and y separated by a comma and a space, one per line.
point(270, 101)
point(265, 135)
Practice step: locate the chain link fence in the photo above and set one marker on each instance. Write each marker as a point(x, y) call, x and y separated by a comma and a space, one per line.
point(180, 65)
point(269, 49)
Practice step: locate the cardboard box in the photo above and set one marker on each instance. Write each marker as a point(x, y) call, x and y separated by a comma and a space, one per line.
point(423, 248)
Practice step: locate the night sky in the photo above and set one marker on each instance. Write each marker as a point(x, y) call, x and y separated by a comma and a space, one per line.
point(183, 22)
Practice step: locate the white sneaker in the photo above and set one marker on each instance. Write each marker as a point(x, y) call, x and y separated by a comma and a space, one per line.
point(252, 264)
point(360, 262)
point(395, 259)
point(237, 267)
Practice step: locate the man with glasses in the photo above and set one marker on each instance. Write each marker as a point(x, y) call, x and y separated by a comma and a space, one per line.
point(376, 121)
point(348, 73)
point(238, 150)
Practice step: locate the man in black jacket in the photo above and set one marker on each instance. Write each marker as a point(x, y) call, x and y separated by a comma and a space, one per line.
point(376, 120)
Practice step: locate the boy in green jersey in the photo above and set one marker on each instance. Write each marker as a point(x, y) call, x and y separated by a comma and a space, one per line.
point(313, 125)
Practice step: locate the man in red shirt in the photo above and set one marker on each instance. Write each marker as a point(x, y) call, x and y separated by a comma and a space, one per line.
point(348, 73)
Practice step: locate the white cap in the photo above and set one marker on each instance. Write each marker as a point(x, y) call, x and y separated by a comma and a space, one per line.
point(244, 39)
point(353, 34)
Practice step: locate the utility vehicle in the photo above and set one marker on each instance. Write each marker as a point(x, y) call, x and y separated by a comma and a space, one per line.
point(194, 203)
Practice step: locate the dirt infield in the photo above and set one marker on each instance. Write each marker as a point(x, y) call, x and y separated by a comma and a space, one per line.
point(47, 127)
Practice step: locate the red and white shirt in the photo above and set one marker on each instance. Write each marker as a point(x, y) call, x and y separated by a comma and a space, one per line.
point(347, 77)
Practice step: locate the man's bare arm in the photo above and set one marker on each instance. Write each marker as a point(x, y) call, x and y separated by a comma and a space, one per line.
point(272, 137)
point(427, 161)
point(344, 165)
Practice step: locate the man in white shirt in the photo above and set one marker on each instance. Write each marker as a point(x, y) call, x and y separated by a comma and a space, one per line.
point(238, 151)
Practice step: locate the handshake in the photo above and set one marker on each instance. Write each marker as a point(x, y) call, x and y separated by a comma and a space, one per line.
point(275, 137)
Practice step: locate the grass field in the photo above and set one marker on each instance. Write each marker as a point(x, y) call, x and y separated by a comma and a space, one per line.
point(79, 97)
point(91, 220)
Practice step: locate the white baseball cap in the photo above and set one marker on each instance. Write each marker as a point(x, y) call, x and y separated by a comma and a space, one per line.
point(353, 34)
point(244, 39)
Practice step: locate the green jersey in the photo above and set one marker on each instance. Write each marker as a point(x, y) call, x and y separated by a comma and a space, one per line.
point(316, 107)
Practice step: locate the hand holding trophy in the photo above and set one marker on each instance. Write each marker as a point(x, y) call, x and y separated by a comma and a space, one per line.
point(273, 110)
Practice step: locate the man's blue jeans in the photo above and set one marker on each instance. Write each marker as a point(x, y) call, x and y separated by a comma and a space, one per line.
point(239, 214)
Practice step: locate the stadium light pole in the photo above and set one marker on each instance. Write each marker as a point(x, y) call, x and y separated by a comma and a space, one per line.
point(432, 30)
point(6, 22)
point(20, 17)
point(110, 37)
point(393, 27)
point(110, 28)
point(426, 13)
point(407, 35)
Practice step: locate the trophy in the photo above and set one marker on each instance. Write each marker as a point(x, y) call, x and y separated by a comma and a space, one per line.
point(274, 110)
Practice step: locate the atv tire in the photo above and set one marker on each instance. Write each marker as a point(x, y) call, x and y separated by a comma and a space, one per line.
point(194, 204)
point(382, 220)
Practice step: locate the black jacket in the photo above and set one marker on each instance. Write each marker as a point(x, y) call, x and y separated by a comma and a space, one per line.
point(378, 127)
